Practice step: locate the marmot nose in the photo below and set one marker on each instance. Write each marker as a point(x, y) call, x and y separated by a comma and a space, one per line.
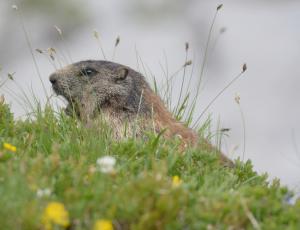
point(53, 79)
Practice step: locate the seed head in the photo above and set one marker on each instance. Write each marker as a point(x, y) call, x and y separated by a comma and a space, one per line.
point(11, 75)
point(117, 41)
point(39, 51)
point(51, 51)
point(96, 34)
point(237, 98)
point(58, 30)
point(219, 7)
point(15, 7)
point(189, 62)
point(223, 30)
point(224, 130)
point(244, 68)
point(2, 99)
point(187, 46)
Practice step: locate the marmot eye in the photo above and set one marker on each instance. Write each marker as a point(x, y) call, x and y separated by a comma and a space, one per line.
point(88, 72)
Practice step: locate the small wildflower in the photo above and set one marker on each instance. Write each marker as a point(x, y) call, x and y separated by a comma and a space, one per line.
point(106, 164)
point(103, 225)
point(55, 214)
point(43, 192)
point(9, 147)
point(15, 7)
point(237, 98)
point(176, 181)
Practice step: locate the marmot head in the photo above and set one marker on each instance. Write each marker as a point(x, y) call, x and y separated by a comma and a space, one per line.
point(105, 83)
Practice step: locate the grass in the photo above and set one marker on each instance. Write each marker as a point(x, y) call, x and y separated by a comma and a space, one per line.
point(58, 154)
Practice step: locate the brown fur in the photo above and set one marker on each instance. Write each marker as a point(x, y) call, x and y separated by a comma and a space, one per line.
point(164, 120)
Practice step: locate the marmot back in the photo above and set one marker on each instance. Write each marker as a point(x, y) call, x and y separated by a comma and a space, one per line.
point(120, 94)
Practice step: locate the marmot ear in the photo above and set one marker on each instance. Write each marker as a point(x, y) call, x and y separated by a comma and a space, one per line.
point(122, 73)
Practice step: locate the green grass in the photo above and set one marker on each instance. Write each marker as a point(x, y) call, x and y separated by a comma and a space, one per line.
point(59, 153)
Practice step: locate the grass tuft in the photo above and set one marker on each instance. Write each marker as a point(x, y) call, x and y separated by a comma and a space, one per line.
point(153, 186)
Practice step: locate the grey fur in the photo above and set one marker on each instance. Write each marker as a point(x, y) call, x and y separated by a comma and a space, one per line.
point(111, 87)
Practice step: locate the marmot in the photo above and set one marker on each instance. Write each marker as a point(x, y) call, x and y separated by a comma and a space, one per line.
point(122, 96)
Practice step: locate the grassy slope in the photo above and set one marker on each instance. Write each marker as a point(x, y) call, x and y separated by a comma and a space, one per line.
point(59, 154)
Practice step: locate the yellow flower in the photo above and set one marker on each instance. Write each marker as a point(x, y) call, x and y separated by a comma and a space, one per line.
point(176, 181)
point(55, 214)
point(103, 225)
point(9, 147)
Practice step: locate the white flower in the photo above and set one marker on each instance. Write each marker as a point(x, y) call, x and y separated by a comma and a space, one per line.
point(106, 164)
point(43, 192)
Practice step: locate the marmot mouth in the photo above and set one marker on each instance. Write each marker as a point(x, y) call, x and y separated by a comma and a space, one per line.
point(55, 89)
point(59, 92)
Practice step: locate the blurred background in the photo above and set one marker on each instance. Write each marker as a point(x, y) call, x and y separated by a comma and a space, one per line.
point(264, 34)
